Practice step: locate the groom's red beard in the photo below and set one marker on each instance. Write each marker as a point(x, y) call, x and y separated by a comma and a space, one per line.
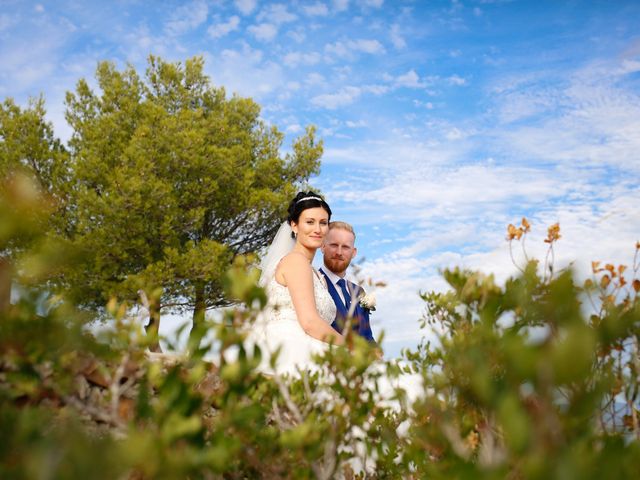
point(336, 265)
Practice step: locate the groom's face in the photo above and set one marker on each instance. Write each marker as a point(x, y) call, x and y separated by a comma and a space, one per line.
point(338, 250)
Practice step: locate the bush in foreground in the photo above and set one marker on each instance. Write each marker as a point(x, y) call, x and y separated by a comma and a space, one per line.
point(525, 382)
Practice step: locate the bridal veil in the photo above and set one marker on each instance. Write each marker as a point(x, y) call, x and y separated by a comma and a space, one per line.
point(282, 244)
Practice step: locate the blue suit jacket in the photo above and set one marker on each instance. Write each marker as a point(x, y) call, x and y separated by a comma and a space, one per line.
point(360, 319)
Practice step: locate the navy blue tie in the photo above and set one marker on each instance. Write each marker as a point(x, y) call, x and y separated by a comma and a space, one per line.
point(345, 292)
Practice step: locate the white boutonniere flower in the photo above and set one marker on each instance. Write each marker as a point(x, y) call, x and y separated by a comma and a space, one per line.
point(368, 301)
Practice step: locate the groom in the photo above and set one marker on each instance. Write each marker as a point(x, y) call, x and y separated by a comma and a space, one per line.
point(338, 250)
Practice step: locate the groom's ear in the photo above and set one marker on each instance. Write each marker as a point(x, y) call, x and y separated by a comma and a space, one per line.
point(354, 252)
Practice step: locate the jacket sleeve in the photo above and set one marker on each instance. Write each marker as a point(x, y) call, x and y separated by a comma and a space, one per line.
point(364, 326)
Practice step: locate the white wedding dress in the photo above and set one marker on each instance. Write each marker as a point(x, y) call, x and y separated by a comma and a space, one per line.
point(278, 327)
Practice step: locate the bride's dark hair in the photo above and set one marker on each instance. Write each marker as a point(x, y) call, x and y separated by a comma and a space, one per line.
point(303, 201)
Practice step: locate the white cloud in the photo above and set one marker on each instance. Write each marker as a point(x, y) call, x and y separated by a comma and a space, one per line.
point(456, 80)
point(139, 42)
point(419, 103)
point(340, 5)
point(454, 134)
point(294, 128)
point(409, 80)
point(338, 48)
point(375, 89)
point(358, 124)
point(245, 72)
point(297, 36)
point(629, 66)
point(293, 59)
point(396, 38)
point(315, 79)
point(585, 119)
point(366, 46)
point(469, 189)
point(33, 73)
point(285, 94)
point(221, 29)
point(372, 3)
point(27, 67)
point(396, 151)
point(277, 14)
point(245, 6)
point(342, 73)
point(187, 17)
point(346, 96)
point(318, 9)
point(633, 50)
point(520, 104)
point(263, 31)
point(39, 8)
point(346, 49)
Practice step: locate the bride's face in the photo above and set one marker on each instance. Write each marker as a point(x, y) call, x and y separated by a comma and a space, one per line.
point(312, 227)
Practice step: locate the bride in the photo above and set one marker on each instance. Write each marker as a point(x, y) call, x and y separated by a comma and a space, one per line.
point(298, 317)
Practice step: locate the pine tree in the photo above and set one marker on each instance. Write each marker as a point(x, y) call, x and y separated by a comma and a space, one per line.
point(171, 180)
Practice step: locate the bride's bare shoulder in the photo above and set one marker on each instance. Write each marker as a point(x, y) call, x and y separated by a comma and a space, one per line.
point(292, 263)
point(294, 260)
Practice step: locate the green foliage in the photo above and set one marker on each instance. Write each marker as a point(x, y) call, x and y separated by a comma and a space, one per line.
point(525, 382)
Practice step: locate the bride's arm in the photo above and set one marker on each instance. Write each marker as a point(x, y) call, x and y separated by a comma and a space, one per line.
point(298, 277)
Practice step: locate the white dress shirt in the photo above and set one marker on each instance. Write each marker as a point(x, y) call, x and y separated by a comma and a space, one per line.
point(334, 279)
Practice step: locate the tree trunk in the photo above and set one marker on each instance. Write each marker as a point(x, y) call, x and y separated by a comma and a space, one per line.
point(153, 326)
point(5, 285)
point(198, 316)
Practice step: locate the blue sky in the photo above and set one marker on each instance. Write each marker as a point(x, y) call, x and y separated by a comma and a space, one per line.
point(443, 121)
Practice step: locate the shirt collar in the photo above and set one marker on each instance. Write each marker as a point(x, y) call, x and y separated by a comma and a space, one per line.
point(332, 276)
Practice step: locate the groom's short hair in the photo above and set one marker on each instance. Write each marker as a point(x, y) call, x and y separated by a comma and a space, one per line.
point(342, 226)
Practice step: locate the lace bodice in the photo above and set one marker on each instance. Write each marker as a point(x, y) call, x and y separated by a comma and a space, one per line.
point(281, 305)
